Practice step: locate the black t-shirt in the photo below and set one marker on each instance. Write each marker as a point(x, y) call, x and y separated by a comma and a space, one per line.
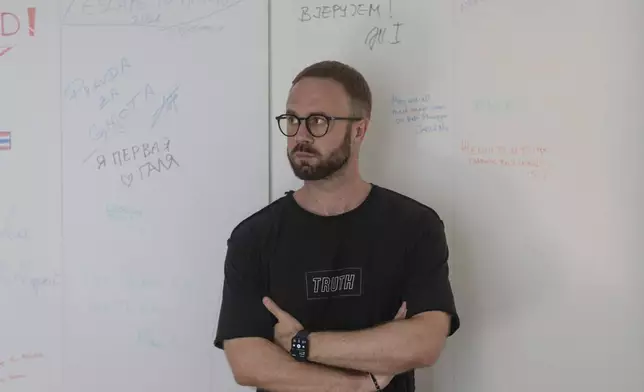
point(344, 272)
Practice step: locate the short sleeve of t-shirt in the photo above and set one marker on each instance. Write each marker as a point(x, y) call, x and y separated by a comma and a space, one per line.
point(242, 313)
point(427, 285)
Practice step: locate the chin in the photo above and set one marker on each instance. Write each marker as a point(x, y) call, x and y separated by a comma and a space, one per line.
point(306, 173)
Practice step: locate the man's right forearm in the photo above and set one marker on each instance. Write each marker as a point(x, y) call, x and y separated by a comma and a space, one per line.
point(271, 368)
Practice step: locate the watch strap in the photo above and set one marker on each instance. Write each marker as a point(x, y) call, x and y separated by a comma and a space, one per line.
point(375, 382)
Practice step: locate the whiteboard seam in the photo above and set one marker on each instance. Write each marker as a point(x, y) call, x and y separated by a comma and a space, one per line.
point(62, 195)
point(270, 104)
point(453, 358)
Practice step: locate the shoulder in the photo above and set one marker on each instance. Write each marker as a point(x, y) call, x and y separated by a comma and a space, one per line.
point(410, 210)
point(260, 222)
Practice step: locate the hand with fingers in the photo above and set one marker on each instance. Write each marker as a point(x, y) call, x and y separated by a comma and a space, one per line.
point(285, 328)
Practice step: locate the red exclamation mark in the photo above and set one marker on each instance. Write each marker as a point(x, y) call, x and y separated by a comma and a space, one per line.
point(31, 12)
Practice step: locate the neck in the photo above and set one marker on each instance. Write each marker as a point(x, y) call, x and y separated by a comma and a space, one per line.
point(333, 196)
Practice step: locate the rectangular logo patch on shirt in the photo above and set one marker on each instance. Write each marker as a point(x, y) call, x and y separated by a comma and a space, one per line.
point(346, 282)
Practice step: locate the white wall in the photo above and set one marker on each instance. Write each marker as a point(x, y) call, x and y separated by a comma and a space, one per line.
point(536, 170)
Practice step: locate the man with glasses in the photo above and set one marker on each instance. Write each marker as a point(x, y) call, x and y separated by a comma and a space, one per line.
point(341, 285)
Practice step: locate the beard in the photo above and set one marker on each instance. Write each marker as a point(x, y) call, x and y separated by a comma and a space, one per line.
point(325, 167)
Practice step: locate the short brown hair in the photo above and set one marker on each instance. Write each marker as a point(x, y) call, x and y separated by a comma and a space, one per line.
point(353, 82)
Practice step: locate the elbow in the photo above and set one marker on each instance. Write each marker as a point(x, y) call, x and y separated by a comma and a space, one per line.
point(242, 365)
point(426, 355)
point(243, 375)
point(426, 358)
point(427, 347)
point(414, 358)
point(418, 360)
point(243, 378)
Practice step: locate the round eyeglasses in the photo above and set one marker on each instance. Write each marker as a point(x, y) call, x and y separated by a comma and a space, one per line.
point(316, 124)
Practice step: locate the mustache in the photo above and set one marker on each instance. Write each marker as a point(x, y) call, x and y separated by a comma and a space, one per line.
point(304, 148)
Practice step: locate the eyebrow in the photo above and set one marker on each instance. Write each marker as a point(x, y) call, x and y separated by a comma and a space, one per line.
point(289, 111)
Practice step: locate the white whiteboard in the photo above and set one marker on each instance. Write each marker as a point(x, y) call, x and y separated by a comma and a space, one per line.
point(525, 134)
point(520, 123)
point(139, 139)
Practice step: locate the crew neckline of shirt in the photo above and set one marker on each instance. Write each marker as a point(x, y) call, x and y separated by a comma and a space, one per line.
point(358, 209)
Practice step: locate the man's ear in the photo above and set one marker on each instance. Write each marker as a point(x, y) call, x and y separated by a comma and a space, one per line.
point(361, 129)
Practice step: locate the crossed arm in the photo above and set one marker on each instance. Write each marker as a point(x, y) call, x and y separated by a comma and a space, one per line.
point(341, 359)
point(391, 348)
point(257, 362)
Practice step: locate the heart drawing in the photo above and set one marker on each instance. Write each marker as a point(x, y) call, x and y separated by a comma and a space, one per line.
point(127, 179)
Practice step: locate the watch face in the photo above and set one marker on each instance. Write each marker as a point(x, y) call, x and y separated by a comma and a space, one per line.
point(299, 348)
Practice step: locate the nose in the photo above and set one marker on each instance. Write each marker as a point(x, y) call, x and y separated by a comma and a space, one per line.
point(303, 135)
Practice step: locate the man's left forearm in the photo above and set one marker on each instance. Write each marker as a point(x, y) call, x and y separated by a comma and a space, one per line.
point(391, 348)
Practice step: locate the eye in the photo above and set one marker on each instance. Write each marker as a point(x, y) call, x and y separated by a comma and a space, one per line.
point(318, 120)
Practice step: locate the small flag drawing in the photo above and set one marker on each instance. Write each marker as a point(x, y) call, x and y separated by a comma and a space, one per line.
point(5, 140)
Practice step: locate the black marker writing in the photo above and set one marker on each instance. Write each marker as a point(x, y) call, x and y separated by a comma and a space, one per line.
point(338, 11)
point(132, 153)
point(377, 35)
point(146, 169)
point(397, 26)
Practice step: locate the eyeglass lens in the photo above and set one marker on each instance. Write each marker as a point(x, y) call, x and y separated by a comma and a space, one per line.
point(289, 125)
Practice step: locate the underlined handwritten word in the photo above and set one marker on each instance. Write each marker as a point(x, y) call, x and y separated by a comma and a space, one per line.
point(336, 11)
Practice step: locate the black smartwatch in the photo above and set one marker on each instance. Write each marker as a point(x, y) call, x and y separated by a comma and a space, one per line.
point(300, 346)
